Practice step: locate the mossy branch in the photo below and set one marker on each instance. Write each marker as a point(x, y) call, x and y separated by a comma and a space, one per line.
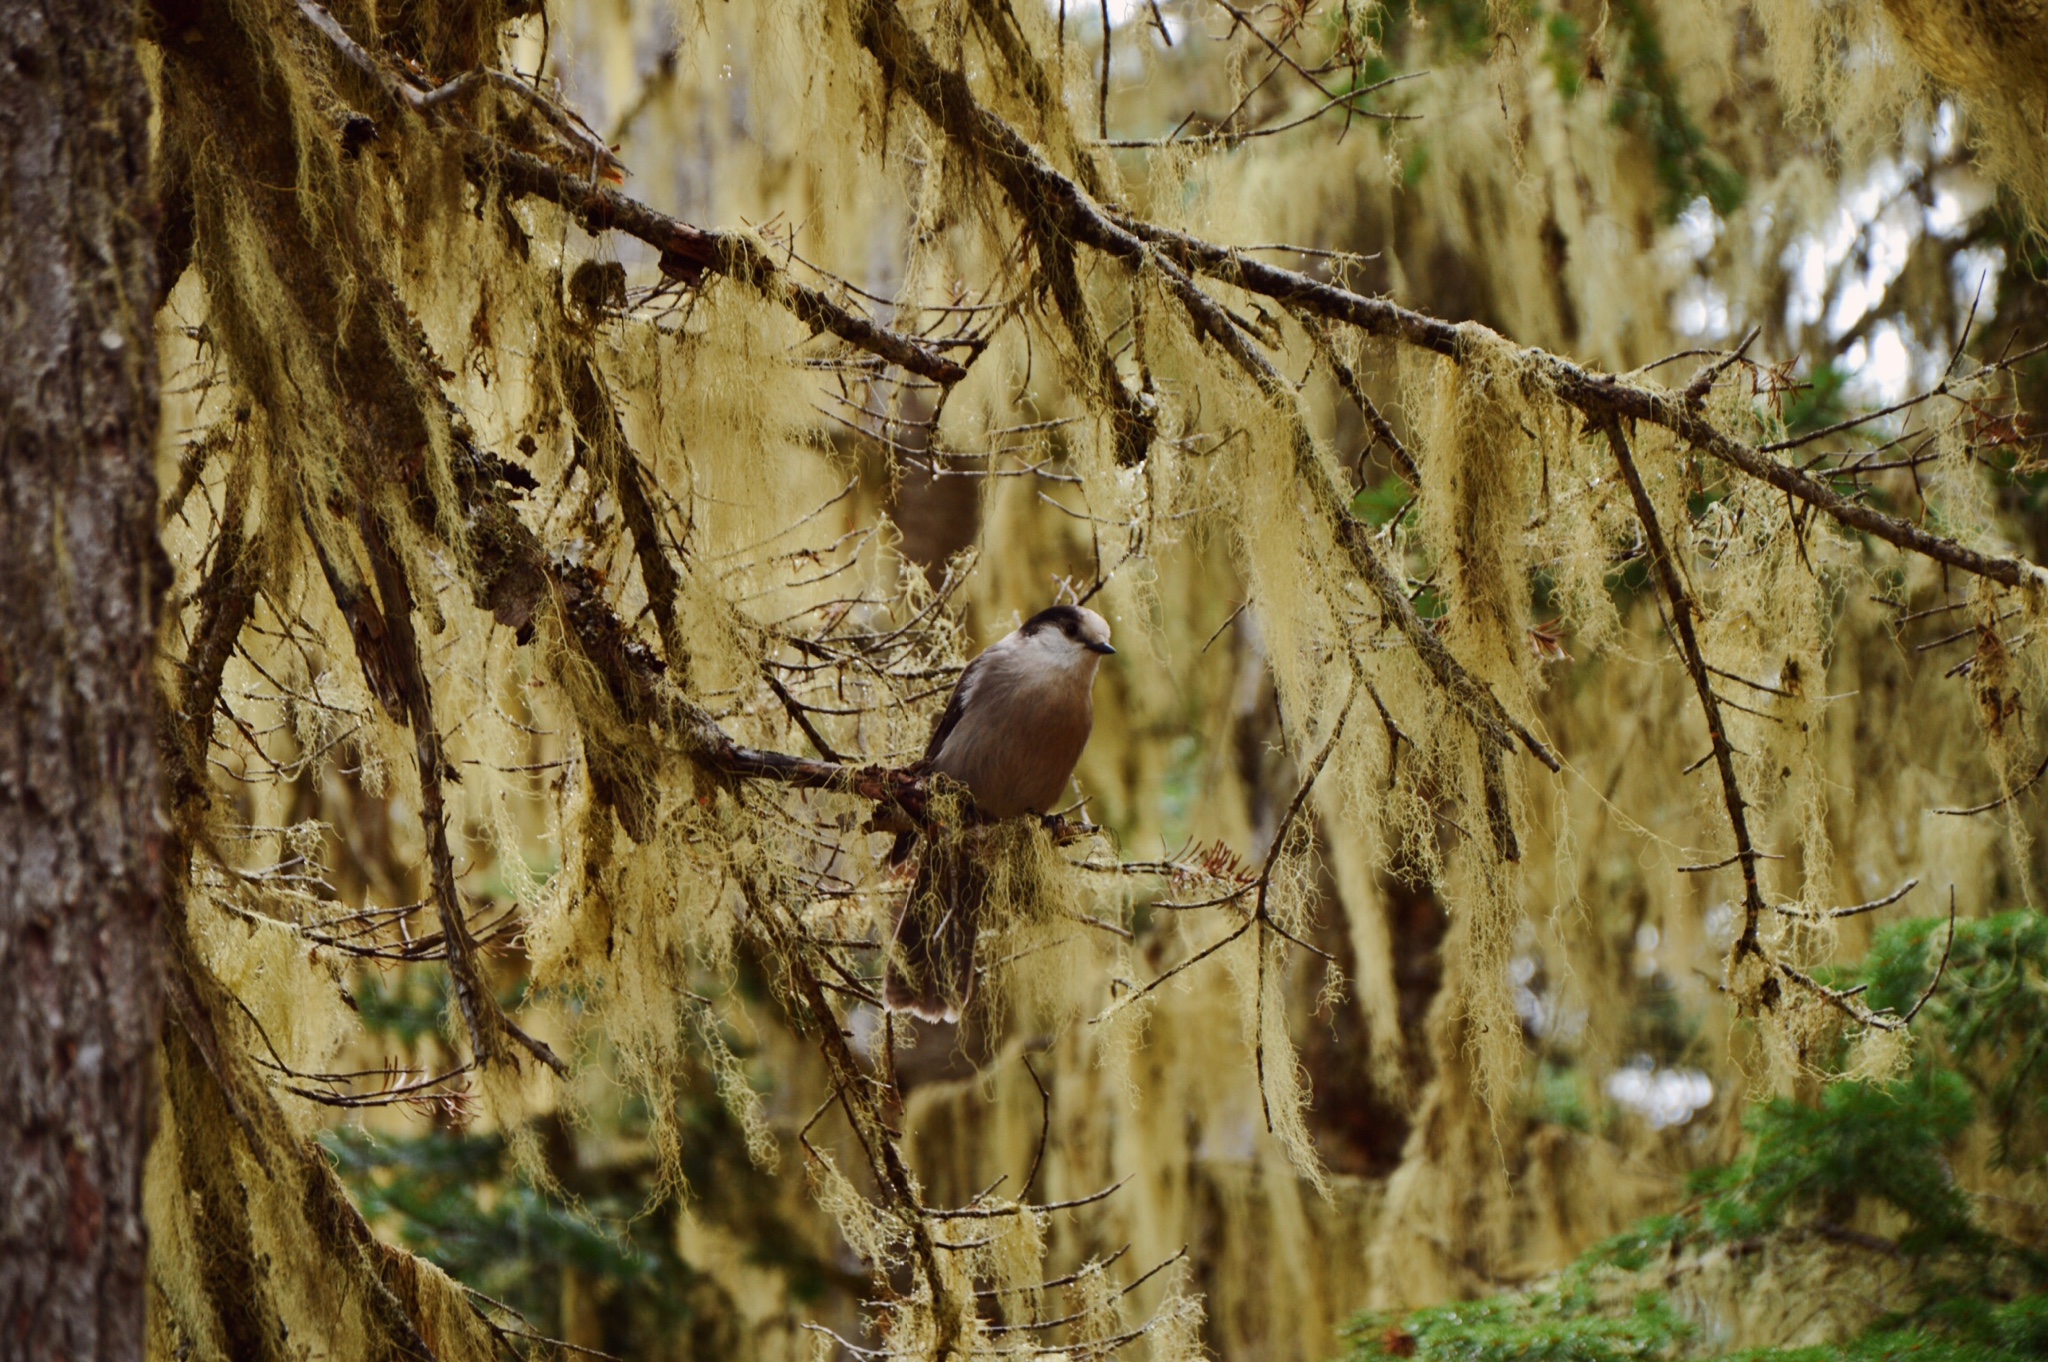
point(1599, 396)
point(786, 940)
point(1054, 209)
point(1347, 379)
point(597, 421)
point(227, 597)
point(489, 1027)
point(686, 251)
point(690, 252)
point(1680, 623)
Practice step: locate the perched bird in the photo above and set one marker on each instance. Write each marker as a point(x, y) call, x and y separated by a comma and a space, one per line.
point(1011, 734)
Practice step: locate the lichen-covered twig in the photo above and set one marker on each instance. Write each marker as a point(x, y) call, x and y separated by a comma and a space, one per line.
point(1682, 611)
point(1259, 889)
point(2029, 783)
point(1382, 429)
point(1947, 949)
point(1853, 910)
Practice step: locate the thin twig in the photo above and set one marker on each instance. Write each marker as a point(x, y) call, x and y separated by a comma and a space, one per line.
point(1703, 382)
point(1725, 861)
point(1794, 910)
point(1044, 1125)
point(1940, 969)
point(2003, 799)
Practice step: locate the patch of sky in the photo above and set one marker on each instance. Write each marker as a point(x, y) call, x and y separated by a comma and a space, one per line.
point(1542, 1010)
point(1721, 923)
point(1700, 307)
point(1663, 1097)
point(1122, 14)
point(1842, 271)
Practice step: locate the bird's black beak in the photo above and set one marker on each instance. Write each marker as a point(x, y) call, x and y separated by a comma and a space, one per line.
point(1102, 648)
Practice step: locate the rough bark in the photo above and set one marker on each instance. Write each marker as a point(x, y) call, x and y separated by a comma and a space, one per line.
point(80, 582)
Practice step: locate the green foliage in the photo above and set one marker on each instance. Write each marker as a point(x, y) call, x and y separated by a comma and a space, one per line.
point(1645, 93)
point(409, 1005)
point(1382, 502)
point(460, 1198)
point(1565, 1325)
point(1865, 1140)
point(1633, 1249)
point(1818, 403)
point(1646, 101)
point(1564, 42)
point(412, 1005)
point(454, 1199)
point(1415, 165)
point(1962, 1329)
point(1989, 1016)
point(1180, 785)
point(1466, 26)
point(1560, 1097)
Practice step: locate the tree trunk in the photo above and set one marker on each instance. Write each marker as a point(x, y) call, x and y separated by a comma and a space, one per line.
point(80, 580)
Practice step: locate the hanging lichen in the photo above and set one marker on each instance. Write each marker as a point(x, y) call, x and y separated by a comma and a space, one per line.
point(565, 591)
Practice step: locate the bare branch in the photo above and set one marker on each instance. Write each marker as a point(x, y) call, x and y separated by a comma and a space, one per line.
point(1725, 861)
point(688, 251)
point(998, 1212)
point(1947, 947)
point(1793, 910)
point(2003, 799)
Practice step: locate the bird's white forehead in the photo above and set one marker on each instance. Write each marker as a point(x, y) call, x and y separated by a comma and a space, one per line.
point(1073, 633)
point(1094, 628)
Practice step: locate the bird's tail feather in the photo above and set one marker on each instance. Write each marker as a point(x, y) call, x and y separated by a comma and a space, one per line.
point(930, 971)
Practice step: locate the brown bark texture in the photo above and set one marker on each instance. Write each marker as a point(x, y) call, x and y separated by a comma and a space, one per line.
point(80, 581)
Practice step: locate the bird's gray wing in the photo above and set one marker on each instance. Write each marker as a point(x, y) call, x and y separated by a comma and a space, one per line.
point(955, 707)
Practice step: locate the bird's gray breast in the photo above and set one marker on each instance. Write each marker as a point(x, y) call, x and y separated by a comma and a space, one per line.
point(1018, 738)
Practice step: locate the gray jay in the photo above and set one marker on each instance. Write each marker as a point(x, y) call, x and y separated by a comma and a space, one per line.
point(1011, 733)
